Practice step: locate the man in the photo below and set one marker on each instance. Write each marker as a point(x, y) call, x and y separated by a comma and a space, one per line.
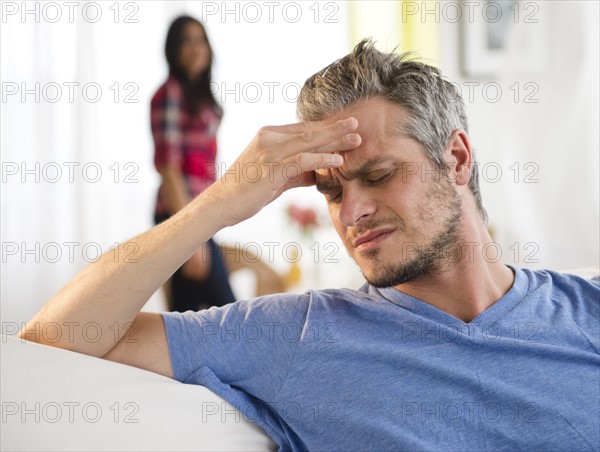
point(444, 348)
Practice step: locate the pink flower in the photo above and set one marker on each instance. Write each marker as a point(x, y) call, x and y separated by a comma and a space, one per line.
point(306, 218)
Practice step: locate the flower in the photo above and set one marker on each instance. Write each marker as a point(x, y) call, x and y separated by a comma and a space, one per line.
point(305, 217)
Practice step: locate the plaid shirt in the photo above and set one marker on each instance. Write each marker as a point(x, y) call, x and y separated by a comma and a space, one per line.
point(189, 143)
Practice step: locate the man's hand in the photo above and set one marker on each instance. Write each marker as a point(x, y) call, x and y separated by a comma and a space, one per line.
point(277, 159)
point(110, 293)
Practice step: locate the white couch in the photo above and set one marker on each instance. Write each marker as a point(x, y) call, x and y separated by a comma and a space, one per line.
point(57, 400)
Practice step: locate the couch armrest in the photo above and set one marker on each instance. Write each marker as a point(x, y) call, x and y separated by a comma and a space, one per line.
point(54, 399)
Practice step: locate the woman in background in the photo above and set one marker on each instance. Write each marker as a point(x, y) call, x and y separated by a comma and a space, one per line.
point(185, 117)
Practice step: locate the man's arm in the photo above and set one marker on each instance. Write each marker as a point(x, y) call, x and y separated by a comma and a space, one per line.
point(145, 346)
point(110, 293)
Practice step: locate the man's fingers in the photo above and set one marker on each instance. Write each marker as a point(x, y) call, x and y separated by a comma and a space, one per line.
point(345, 143)
point(306, 179)
point(287, 128)
point(314, 140)
point(301, 171)
point(309, 161)
point(298, 127)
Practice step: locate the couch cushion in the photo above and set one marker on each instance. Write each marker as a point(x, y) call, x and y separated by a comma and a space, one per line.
point(55, 399)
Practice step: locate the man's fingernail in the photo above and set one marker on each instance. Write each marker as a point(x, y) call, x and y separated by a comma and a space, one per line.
point(337, 159)
point(351, 121)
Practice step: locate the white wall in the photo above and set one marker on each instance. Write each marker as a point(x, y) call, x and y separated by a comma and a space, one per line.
point(559, 133)
point(554, 220)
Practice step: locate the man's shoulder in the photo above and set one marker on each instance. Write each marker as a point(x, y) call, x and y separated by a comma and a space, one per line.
point(591, 272)
point(564, 289)
point(587, 278)
point(365, 292)
point(297, 305)
point(313, 296)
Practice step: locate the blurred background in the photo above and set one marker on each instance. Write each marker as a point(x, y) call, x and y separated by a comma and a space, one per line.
point(77, 151)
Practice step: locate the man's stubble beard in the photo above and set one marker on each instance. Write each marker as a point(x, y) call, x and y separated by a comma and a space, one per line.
point(430, 257)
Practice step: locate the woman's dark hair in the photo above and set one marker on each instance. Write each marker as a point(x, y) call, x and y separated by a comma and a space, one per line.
point(197, 92)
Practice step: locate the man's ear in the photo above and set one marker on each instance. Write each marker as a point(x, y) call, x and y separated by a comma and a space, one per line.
point(459, 157)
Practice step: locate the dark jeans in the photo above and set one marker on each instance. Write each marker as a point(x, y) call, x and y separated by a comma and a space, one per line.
point(189, 294)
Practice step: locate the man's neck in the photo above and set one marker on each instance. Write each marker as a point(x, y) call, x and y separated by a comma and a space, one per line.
point(468, 287)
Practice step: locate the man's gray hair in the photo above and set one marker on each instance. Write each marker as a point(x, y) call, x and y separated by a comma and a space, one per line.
point(435, 105)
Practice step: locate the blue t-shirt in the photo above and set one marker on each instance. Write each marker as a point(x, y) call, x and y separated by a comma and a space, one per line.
point(377, 369)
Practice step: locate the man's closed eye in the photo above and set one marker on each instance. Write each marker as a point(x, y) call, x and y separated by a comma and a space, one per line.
point(378, 177)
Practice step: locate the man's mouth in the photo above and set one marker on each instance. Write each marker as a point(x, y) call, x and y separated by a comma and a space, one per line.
point(371, 239)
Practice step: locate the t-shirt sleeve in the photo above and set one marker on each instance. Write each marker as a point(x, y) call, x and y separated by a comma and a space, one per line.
point(249, 344)
point(166, 111)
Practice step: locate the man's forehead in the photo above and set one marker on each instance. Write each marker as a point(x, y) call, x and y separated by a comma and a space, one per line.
point(383, 138)
point(371, 107)
point(353, 168)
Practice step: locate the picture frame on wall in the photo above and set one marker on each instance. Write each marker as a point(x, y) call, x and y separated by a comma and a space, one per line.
point(502, 35)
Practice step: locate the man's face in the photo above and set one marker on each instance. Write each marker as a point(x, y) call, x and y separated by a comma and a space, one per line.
point(394, 210)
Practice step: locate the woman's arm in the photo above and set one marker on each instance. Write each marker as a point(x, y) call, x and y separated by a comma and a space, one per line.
point(176, 197)
point(173, 188)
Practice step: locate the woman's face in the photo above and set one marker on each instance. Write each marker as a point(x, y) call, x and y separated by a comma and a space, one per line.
point(194, 53)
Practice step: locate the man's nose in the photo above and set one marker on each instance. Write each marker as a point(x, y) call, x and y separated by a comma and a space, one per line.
point(356, 205)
